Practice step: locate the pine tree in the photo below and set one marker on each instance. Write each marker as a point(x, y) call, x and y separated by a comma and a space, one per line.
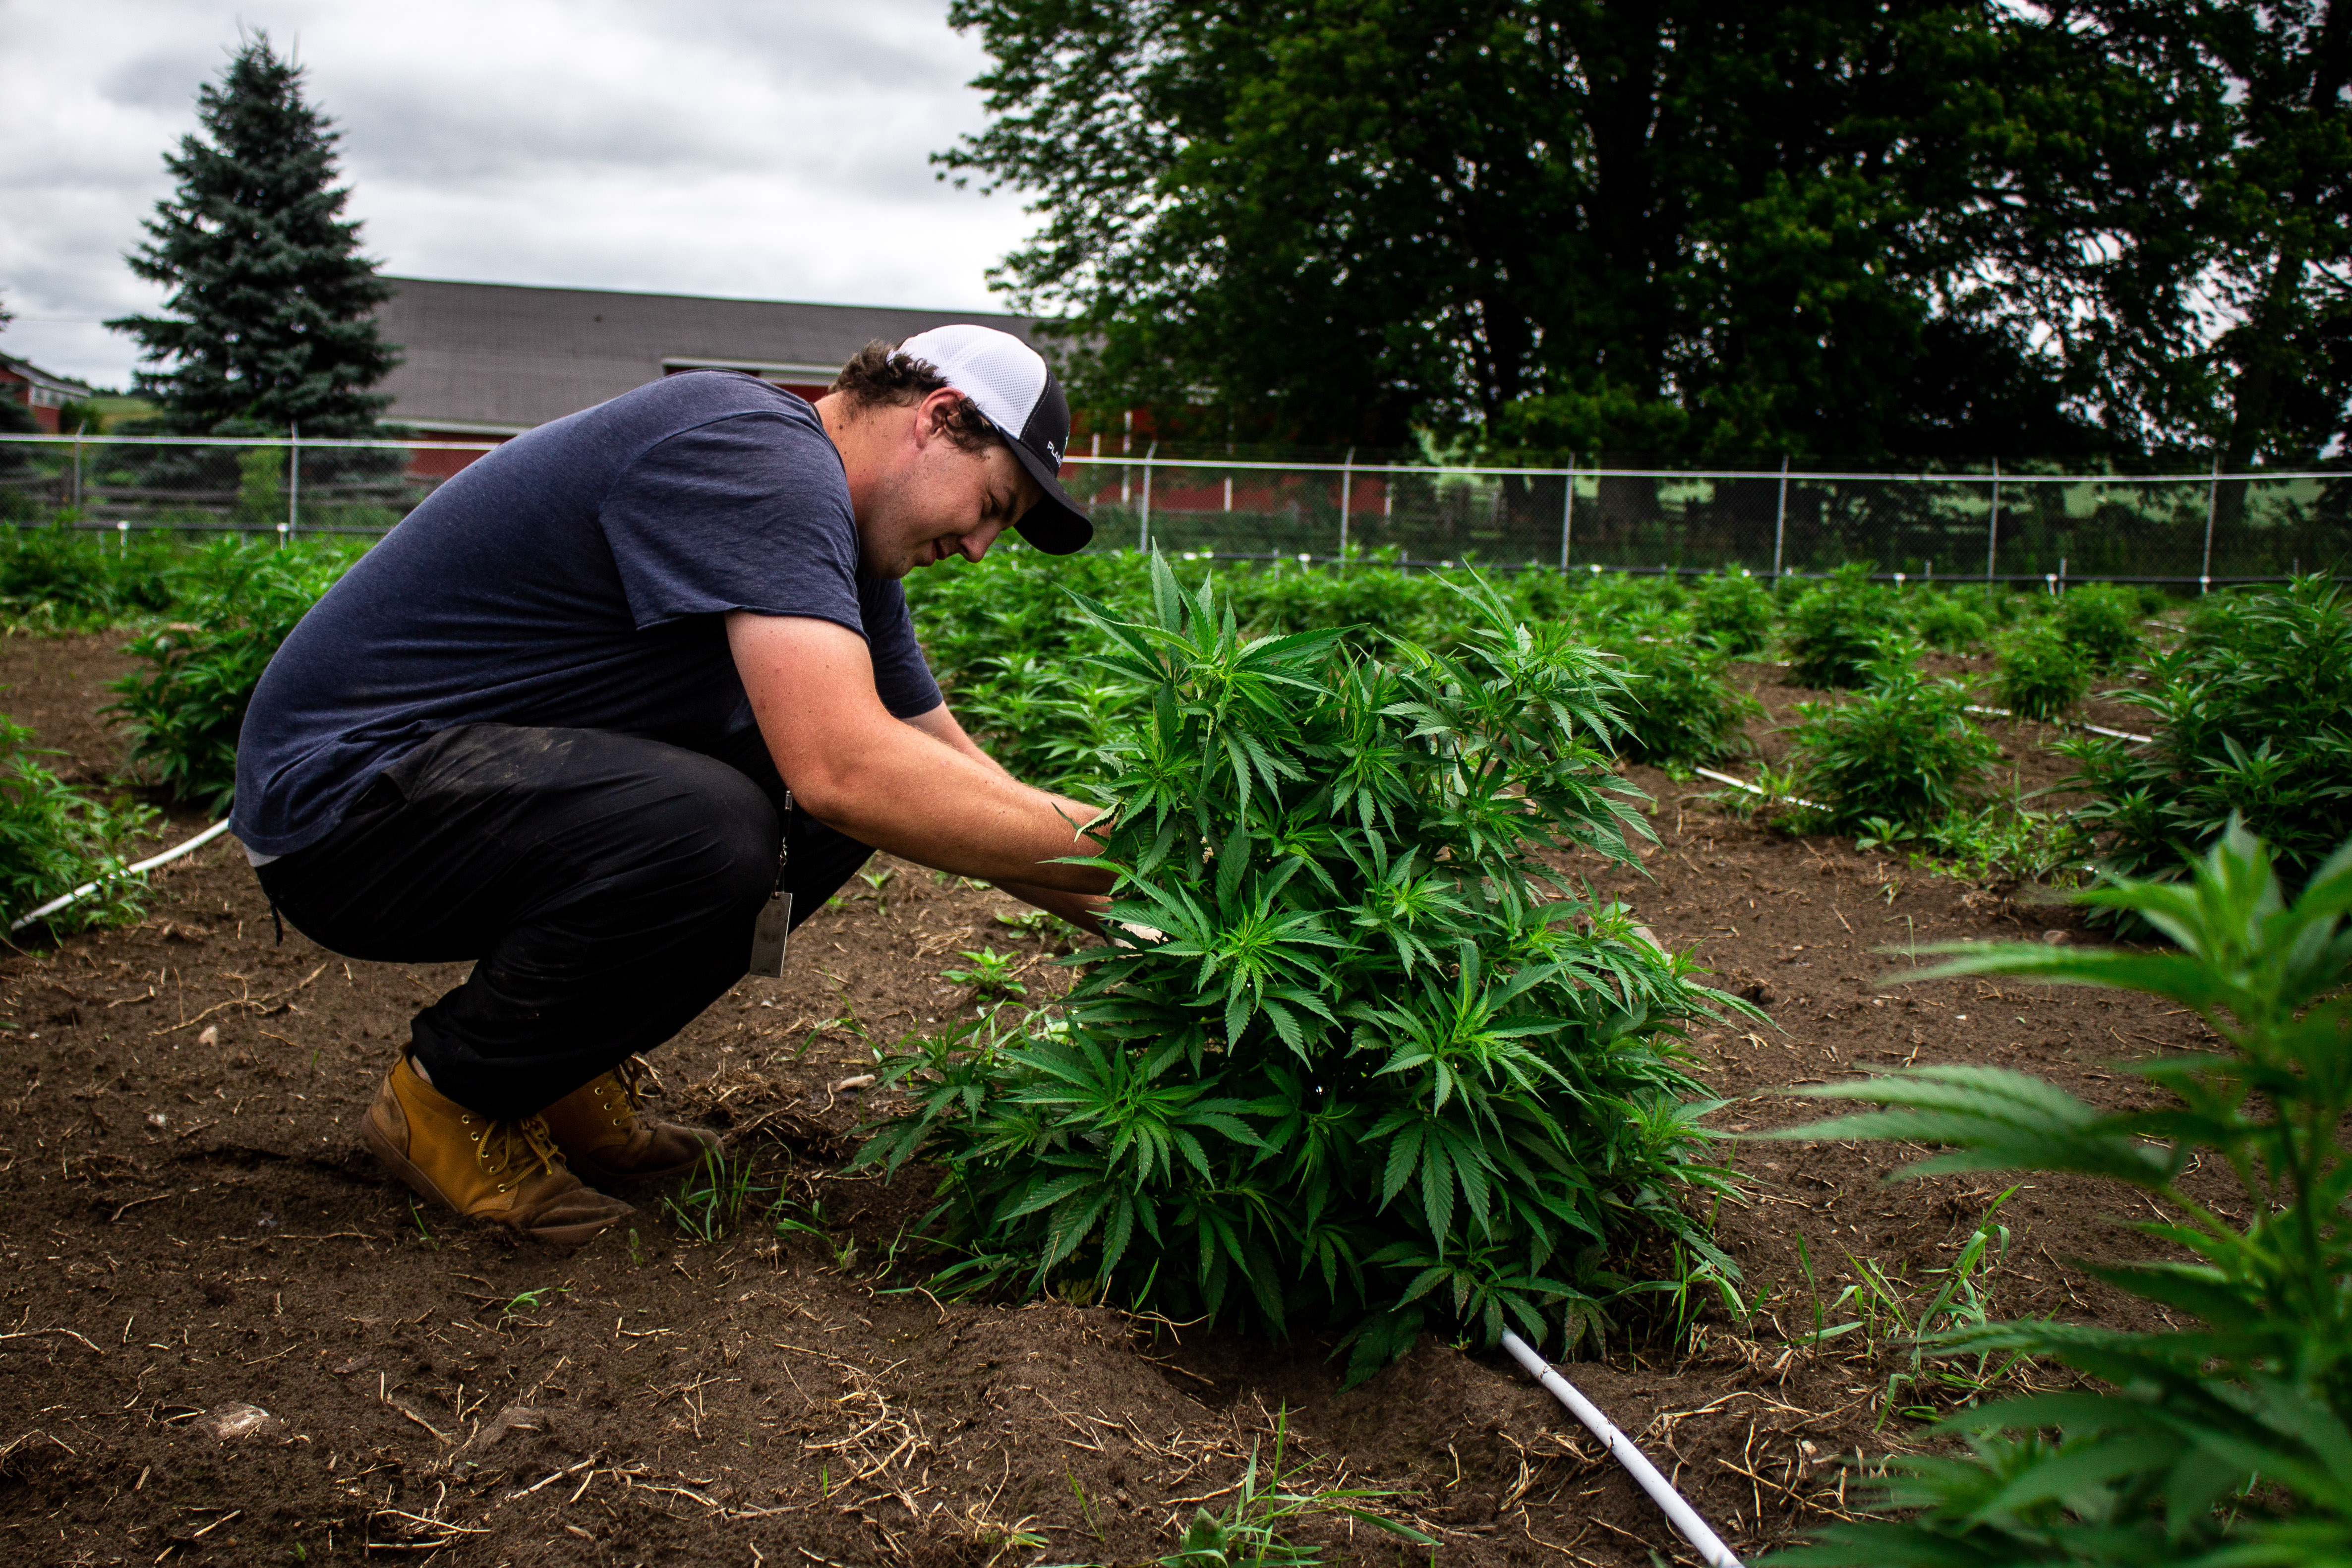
point(270, 318)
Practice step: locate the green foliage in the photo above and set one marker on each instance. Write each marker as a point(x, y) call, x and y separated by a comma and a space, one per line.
point(64, 579)
point(1734, 612)
point(1209, 176)
point(1904, 750)
point(711, 1202)
point(2252, 717)
point(1948, 622)
point(2043, 673)
point(2227, 1439)
point(2102, 621)
point(184, 711)
point(1838, 629)
point(54, 838)
point(1680, 706)
point(271, 304)
point(1345, 1063)
point(989, 974)
point(1249, 1533)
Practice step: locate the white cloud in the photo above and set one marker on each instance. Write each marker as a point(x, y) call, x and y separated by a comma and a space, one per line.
point(772, 150)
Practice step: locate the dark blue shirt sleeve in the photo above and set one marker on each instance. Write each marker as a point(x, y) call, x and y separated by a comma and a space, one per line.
point(749, 512)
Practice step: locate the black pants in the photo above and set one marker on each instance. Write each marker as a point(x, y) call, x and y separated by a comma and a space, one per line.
point(606, 885)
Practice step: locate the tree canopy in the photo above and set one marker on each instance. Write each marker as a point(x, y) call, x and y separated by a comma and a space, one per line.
point(270, 318)
point(1690, 227)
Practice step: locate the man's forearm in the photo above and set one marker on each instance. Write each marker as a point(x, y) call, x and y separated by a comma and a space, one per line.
point(922, 803)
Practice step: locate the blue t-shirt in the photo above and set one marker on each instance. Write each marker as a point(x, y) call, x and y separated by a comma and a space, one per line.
point(576, 578)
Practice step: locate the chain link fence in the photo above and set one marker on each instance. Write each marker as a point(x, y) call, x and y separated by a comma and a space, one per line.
point(2002, 524)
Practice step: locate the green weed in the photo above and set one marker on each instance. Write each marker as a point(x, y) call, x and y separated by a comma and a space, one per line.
point(2043, 675)
point(1836, 633)
point(709, 1202)
point(2101, 622)
point(2252, 717)
point(2222, 1439)
point(1320, 1074)
point(1249, 1534)
point(1903, 751)
point(989, 974)
point(185, 709)
point(54, 839)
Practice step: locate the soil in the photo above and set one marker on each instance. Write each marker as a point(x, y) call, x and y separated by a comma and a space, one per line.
point(228, 1337)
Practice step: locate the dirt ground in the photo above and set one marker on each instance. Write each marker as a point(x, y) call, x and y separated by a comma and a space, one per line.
point(195, 1229)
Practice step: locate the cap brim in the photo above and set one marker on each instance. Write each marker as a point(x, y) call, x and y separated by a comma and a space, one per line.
point(1055, 525)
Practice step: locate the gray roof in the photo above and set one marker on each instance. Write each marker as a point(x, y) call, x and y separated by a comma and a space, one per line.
point(497, 357)
point(49, 381)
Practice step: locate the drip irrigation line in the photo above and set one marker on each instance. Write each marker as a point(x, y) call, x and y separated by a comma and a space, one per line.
point(2072, 724)
point(1752, 789)
point(1621, 1449)
point(86, 889)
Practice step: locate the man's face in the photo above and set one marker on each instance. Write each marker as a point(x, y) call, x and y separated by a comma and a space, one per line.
point(937, 500)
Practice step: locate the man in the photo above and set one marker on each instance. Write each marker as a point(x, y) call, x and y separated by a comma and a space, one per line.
point(609, 692)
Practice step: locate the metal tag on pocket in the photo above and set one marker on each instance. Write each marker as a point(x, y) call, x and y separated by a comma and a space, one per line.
point(768, 934)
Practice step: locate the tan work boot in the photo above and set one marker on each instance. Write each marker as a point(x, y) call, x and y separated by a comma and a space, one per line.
point(602, 1133)
point(509, 1173)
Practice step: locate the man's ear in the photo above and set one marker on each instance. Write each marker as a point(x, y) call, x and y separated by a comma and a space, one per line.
point(933, 415)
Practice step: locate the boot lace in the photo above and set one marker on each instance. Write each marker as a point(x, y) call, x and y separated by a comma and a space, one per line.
point(514, 1152)
point(630, 1075)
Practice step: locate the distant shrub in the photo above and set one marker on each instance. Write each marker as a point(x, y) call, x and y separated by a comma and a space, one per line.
point(1734, 612)
point(1679, 706)
point(2252, 714)
point(2042, 672)
point(184, 711)
point(1951, 623)
point(1903, 751)
point(2102, 621)
point(54, 838)
point(67, 580)
point(1837, 631)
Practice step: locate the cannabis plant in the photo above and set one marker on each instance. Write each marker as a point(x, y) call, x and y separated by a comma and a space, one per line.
point(1904, 750)
point(2102, 621)
point(2227, 1439)
point(1681, 706)
point(1355, 1057)
point(2042, 673)
point(185, 709)
point(2252, 717)
point(54, 838)
point(1837, 631)
point(1734, 612)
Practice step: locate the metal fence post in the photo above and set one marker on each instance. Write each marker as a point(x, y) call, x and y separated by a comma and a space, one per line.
point(1992, 524)
point(1143, 523)
point(1568, 513)
point(2212, 500)
point(1781, 522)
point(293, 477)
point(77, 478)
point(1347, 482)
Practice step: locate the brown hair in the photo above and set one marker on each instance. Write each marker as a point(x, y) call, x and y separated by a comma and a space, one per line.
point(878, 376)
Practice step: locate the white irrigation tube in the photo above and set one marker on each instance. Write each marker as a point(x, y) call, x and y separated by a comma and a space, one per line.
point(1740, 784)
point(1620, 1447)
point(2071, 724)
point(86, 889)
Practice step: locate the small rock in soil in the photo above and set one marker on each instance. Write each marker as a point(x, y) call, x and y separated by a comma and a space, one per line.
point(237, 1421)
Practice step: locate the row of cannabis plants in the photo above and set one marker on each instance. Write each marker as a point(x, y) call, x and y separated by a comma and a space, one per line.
point(203, 621)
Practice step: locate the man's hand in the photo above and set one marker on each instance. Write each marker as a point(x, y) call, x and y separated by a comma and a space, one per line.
point(1079, 909)
point(855, 768)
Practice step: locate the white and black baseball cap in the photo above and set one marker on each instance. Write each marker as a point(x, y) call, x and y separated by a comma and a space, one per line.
point(1009, 382)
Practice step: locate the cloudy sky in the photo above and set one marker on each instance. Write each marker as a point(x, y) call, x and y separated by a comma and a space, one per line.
point(764, 149)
